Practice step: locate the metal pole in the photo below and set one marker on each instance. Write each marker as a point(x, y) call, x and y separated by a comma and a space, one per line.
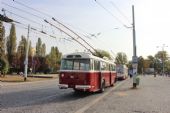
point(26, 55)
point(134, 58)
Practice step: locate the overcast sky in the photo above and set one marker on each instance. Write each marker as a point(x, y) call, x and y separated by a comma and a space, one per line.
point(88, 17)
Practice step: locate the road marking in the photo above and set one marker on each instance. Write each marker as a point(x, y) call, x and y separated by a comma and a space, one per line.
point(87, 106)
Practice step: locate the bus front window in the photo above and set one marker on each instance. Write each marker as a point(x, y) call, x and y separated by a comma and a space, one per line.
point(66, 64)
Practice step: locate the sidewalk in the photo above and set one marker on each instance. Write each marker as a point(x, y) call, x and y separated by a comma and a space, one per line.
point(16, 79)
point(151, 96)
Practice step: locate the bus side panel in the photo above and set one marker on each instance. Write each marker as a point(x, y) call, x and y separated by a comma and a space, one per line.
point(106, 76)
point(113, 77)
point(95, 81)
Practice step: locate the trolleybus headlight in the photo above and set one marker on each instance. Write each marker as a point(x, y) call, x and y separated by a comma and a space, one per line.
point(62, 75)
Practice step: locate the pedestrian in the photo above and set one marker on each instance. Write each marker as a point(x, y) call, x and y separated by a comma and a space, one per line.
point(21, 73)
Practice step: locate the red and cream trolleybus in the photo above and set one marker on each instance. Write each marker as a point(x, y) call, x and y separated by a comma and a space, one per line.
point(85, 72)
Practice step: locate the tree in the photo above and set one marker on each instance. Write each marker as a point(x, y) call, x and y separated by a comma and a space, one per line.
point(121, 58)
point(30, 49)
point(102, 54)
point(3, 66)
point(39, 47)
point(21, 53)
point(162, 55)
point(2, 40)
point(53, 59)
point(43, 50)
point(140, 64)
point(152, 61)
point(22, 47)
point(161, 59)
point(11, 45)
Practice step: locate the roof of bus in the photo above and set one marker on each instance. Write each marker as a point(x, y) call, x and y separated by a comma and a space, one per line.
point(84, 55)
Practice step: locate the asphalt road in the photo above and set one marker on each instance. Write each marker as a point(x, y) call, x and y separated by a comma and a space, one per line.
point(152, 96)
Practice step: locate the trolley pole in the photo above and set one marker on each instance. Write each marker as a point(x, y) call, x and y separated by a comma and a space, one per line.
point(134, 58)
point(26, 55)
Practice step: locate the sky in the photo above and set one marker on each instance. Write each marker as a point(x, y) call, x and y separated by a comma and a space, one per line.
point(86, 17)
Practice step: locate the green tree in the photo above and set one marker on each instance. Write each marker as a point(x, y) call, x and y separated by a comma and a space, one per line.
point(102, 54)
point(3, 66)
point(43, 50)
point(53, 59)
point(39, 48)
point(11, 45)
point(161, 57)
point(2, 39)
point(30, 49)
point(152, 61)
point(121, 58)
point(21, 47)
point(140, 64)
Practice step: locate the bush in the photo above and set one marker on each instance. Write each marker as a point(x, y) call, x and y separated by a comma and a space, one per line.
point(4, 66)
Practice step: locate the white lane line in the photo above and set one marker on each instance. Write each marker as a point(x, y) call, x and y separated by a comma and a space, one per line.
point(87, 106)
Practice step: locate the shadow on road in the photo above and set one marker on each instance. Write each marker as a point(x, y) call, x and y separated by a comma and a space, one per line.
point(39, 97)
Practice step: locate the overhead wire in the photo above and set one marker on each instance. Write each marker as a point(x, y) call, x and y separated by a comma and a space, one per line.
point(22, 10)
point(33, 10)
point(118, 9)
point(34, 29)
point(54, 20)
point(109, 12)
point(23, 17)
point(69, 35)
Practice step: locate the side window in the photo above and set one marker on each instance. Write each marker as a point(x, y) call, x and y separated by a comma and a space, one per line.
point(91, 64)
point(67, 64)
point(96, 65)
point(76, 65)
point(113, 68)
point(107, 67)
point(103, 66)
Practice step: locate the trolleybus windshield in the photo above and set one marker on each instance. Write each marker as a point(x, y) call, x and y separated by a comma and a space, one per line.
point(75, 64)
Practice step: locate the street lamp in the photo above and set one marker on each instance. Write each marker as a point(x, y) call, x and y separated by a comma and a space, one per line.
point(163, 65)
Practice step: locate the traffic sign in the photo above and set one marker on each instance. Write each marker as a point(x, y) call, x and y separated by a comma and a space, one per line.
point(135, 59)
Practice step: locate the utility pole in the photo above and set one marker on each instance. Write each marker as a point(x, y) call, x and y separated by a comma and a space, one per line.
point(26, 55)
point(134, 58)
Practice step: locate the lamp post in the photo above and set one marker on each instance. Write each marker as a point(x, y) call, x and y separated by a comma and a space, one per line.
point(134, 58)
point(163, 63)
point(26, 56)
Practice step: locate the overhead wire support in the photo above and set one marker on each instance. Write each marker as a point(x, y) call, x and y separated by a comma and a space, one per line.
point(68, 35)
